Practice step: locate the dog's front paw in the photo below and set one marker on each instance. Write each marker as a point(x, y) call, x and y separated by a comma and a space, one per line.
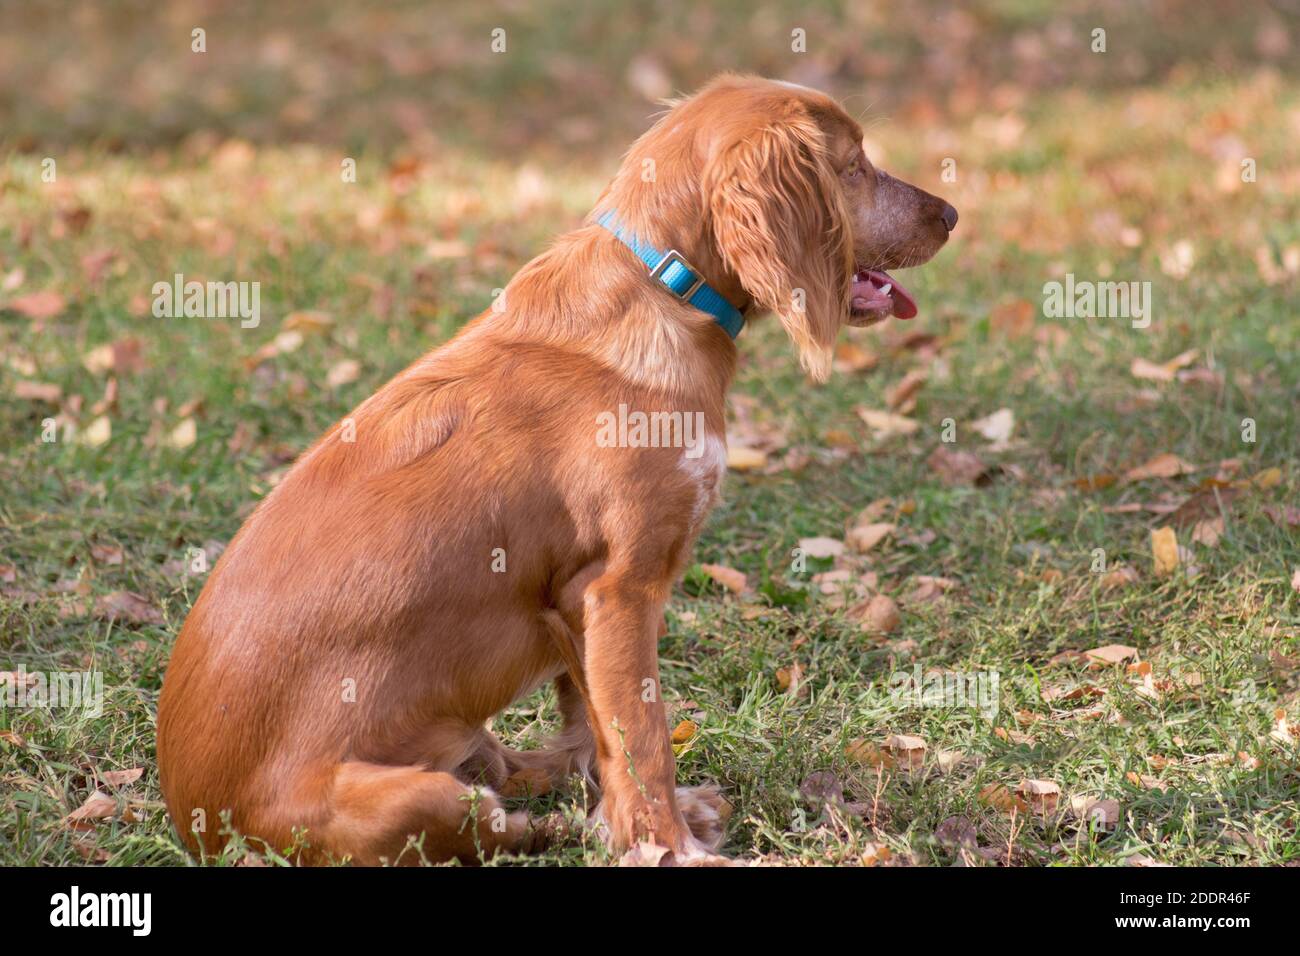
point(706, 813)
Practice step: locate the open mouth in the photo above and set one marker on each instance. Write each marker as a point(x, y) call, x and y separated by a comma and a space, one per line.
point(877, 295)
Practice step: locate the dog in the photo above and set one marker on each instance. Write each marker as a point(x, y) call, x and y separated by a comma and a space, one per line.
point(462, 537)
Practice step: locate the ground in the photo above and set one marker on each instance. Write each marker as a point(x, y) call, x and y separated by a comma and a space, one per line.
point(1011, 553)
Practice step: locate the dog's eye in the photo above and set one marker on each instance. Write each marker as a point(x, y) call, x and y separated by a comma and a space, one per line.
point(854, 171)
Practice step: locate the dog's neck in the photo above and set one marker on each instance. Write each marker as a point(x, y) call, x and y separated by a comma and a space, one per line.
point(589, 294)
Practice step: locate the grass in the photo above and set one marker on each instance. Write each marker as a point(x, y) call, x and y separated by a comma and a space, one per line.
point(404, 255)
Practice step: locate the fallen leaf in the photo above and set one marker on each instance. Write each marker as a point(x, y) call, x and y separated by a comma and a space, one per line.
point(1161, 466)
point(821, 547)
point(1165, 371)
point(868, 754)
point(1000, 797)
point(867, 536)
point(887, 423)
point(790, 679)
point(1041, 795)
point(98, 806)
point(183, 435)
point(120, 778)
point(307, 320)
point(878, 615)
point(37, 305)
point(97, 432)
point(742, 458)
point(997, 427)
point(909, 751)
point(106, 554)
point(343, 373)
point(128, 606)
point(875, 853)
point(956, 467)
point(1164, 551)
point(902, 396)
point(1110, 654)
point(731, 579)
point(684, 731)
point(1208, 532)
point(1103, 814)
point(38, 391)
point(851, 357)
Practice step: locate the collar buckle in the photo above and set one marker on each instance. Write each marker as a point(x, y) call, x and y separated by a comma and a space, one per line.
point(660, 273)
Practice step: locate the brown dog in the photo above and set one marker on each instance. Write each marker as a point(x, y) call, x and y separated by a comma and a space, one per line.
point(466, 535)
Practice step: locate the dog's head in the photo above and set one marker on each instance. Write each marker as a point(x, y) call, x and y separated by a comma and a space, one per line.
point(801, 217)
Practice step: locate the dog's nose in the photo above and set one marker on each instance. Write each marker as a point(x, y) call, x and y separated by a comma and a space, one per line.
point(949, 216)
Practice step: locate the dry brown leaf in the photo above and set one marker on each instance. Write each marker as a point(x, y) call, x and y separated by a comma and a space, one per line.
point(38, 391)
point(120, 778)
point(343, 373)
point(1041, 795)
point(875, 853)
point(1208, 532)
point(790, 679)
point(907, 750)
point(38, 305)
point(307, 320)
point(98, 806)
point(684, 731)
point(1000, 797)
point(879, 615)
point(731, 579)
point(1165, 371)
point(902, 396)
point(1104, 814)
point(1164, 551)
point(821, 547)
point(851, 357)
point(1110, 654)
point(866, 536)
point(1161, 466)
point(956, 467)
point(128, 606)
point(868, 754)
point(887, 423)
point(107, 554)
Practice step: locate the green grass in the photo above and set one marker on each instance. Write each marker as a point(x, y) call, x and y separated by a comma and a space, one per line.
point(374, 256)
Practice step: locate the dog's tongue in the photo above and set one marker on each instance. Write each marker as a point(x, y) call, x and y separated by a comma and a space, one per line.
point(875, 291)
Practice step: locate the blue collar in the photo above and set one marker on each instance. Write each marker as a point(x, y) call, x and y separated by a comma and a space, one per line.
point(679, 277)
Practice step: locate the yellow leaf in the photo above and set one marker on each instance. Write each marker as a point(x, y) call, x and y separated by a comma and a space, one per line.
point(183, 435)
point(97, 432)
point(741, 458)
point(1164, 551)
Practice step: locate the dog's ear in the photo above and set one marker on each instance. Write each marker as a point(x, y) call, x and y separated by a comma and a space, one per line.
point(780, 223)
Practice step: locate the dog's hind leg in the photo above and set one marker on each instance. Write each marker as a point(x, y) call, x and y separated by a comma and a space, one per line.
point(374, 810)
point(570, 751)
